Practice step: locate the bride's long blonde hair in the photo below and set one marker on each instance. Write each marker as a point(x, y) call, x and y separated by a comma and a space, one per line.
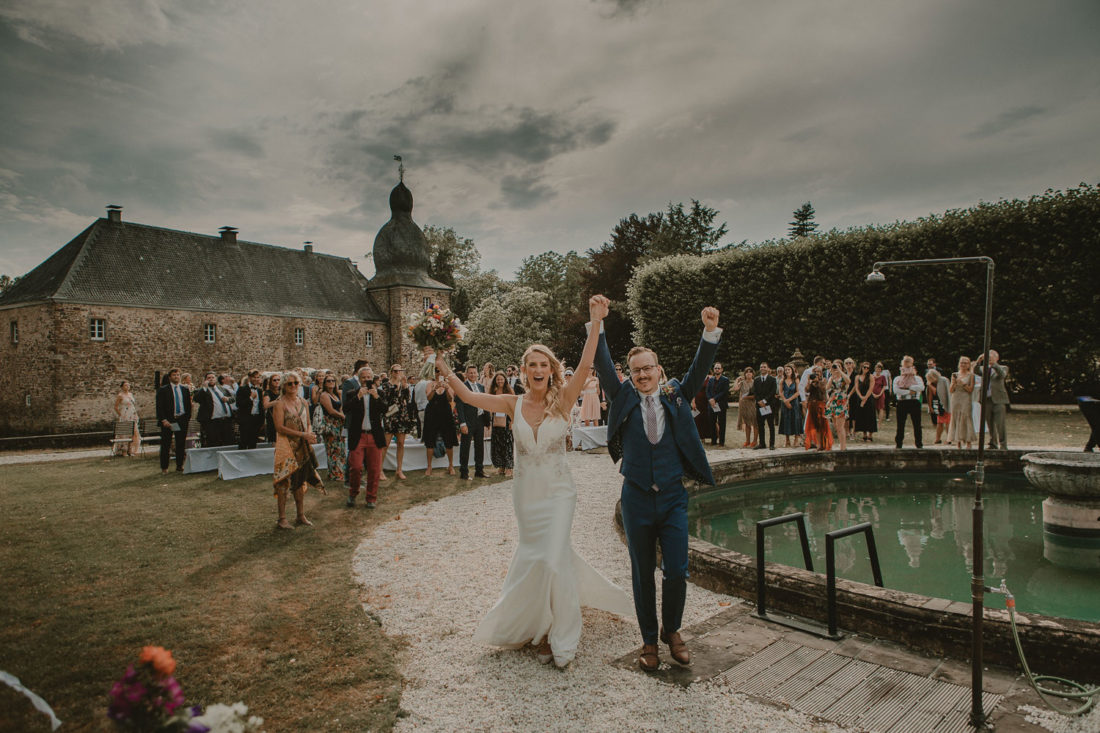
point(554, 385)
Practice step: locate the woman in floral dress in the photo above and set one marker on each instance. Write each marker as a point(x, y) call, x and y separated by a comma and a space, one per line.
point(331, 428)
point(746, 406)
point(400, 413)
point(836, 406)
point(126, 411)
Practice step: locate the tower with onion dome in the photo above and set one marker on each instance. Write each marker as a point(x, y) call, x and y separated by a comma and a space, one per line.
point(401, 284)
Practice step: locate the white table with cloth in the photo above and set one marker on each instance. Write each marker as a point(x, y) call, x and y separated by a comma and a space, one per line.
point(241, 463)
point(415, 458)
point(587, 438)
point(199, 460)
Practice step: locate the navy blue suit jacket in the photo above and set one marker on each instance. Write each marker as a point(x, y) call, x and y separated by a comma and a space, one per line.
point(675, 397)
point(467, 413)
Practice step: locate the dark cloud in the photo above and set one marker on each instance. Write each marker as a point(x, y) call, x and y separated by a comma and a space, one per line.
point(237, 141)
point(524, 191)
point(614, 8)
point(1005, 121)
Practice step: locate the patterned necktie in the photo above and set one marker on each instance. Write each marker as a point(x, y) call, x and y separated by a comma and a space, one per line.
point(651, 419)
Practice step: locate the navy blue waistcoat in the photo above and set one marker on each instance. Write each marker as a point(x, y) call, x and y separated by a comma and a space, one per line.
point(646, 464)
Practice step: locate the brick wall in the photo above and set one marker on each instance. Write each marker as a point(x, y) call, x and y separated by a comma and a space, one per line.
point(27, 370)
point(55, 344)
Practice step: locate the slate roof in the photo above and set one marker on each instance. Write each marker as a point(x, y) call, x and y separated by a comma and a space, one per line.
point(127, 264)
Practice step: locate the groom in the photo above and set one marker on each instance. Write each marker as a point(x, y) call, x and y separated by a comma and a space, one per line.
point(652, 430)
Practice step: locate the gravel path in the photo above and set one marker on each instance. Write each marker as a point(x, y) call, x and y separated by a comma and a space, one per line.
point(431, 575)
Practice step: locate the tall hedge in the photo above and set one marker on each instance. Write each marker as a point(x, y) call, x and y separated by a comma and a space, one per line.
point(811, 293)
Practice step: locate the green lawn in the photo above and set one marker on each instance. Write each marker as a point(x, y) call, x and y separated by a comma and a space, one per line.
point(100, 557)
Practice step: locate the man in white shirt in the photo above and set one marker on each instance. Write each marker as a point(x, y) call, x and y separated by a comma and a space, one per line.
point(908, 387)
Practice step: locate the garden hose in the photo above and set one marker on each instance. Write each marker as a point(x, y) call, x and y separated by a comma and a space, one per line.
point(1077, 691)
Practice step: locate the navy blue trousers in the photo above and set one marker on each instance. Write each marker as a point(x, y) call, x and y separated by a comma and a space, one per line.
point(650, 517)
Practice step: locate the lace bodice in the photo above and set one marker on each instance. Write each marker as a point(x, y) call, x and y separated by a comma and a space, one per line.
point(550, 442)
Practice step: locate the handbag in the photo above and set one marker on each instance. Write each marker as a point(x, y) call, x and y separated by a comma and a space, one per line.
point(440, 448)
point(318, 416)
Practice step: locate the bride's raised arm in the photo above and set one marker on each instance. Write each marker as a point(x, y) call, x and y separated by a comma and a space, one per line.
point(598, 307)
point(491, 402)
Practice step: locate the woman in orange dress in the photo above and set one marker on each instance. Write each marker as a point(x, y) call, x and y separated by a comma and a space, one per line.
point(295, 462)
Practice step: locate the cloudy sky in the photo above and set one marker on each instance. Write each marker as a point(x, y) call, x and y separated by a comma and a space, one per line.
point(531, 126)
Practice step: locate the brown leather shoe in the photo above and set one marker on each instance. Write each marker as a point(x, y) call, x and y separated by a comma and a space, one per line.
point(648, 659)
point(677, 648)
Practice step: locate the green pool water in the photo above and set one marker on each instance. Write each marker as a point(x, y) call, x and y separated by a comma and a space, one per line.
point(922, 525)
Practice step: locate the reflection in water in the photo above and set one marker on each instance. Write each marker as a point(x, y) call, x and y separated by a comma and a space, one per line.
point(924, 528)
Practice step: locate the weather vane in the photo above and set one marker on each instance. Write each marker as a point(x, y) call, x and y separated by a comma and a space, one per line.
point(400, 167)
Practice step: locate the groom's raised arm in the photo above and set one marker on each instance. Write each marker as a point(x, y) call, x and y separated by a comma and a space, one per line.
point(605, 367)
point(704, 355)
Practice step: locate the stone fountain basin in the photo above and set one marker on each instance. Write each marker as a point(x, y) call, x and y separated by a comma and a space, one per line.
point(1075, 475)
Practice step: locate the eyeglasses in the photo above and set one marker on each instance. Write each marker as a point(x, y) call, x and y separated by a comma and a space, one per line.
point(649, 369)
point(292, 384)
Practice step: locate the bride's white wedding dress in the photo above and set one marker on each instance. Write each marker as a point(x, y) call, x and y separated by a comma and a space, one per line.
point(548, 581)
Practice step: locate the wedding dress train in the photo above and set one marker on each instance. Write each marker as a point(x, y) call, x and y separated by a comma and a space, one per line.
point(547, 581)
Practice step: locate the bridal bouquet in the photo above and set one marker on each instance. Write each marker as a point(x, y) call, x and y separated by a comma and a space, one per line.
point(437, 328)
point(148, 698)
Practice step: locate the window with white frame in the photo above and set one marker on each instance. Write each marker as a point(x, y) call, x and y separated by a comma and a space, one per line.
point(15, 332)
point(209, 333)
point(427, 302)
point(370, 339)
point(97, 329)
point(299, 336)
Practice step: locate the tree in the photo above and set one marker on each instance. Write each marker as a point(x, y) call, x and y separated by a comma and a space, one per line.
point(687, 233)
point(450, 256)
point(472, 289)
point(636, 240)
point(501, 328)
point(803, 224)
point(6, 281)
point(560, 277)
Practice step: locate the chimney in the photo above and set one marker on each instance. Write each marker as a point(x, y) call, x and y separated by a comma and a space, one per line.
point(114, 213)
point(229, 234)
point(308, 247)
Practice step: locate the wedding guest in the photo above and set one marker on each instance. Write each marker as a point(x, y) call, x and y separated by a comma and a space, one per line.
point(271, 394)
point(930, 365)
point(501, 445)
point(718, 400)
point(818, 434)
point(400, 414)
point(590, 402)
point(513, 379)
point(331, 429)
point(803, 382)
point(938, 398)
point(764, 391)
point(470, 425)
point(962, 396)
point(213, 413)
point(878, 391)
point(185, 380)
point(126, 411)
point(363, 410)
point(746, 405)
point(862, 405)
point(850, 372)
point(700, 407)
point(998, 401)
point(891, 398)
point(486, 381)
point(1085, 395)
point(619, 373)
point(836, 407)
point(790, 408)
point(440, 425)
point(908, 387)
point(250, 412)
point(295, 462)
point(173, 414)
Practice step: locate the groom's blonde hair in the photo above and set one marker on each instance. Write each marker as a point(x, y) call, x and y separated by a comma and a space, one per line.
point(554, 385)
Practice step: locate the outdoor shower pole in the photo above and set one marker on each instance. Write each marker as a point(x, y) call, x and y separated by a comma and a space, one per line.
point(977, 578)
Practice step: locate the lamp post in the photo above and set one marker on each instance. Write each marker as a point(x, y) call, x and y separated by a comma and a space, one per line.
point(977, 579)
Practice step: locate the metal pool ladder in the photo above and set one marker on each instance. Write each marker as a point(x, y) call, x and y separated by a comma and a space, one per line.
point(830, 570)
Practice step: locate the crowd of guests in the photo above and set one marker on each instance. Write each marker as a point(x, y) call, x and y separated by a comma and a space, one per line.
point(359, 416)
point(829, 402)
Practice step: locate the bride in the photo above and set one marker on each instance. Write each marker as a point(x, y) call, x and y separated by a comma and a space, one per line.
point(547, 581)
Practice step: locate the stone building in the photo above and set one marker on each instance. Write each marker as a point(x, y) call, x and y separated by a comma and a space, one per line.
point(126, 301)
